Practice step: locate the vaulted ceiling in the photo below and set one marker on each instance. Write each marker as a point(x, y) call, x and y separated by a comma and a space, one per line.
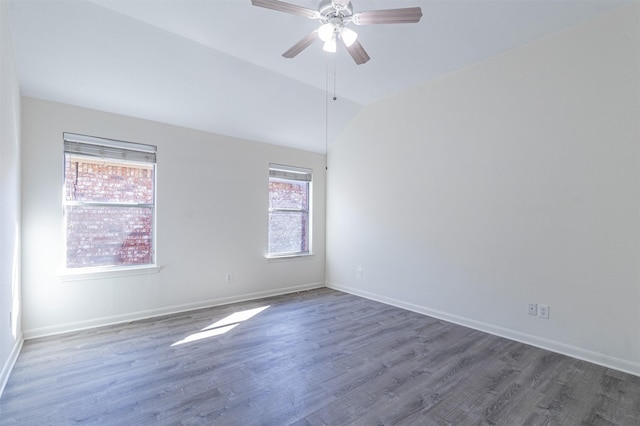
point(216, 65)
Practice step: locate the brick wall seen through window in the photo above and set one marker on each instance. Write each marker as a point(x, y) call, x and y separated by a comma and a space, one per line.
point(109, 212)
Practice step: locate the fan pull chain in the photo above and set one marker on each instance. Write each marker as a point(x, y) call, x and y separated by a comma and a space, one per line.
point(334, 80)
point(326, 116)
point(326, 104)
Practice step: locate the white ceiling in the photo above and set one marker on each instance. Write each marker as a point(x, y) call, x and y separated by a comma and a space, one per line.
point(216, 65)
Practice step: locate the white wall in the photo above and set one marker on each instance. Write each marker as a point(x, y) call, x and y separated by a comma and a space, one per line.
point(212, 204)
point(10, 315)
point(515, 180)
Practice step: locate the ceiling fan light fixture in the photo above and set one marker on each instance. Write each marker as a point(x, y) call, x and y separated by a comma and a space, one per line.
point(348, 36)
point(326, 32)
point(330, 45)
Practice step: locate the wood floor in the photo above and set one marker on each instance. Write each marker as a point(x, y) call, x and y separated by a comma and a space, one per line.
point(320, 357)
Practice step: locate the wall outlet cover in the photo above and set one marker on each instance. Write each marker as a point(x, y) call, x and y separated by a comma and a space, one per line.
point(543, 311)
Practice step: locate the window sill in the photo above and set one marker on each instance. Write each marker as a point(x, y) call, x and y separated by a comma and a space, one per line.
point(275, 258)
point(100, 273)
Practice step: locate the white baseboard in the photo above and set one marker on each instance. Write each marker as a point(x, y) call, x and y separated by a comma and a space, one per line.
point(8, 366)
point(551, 345)
point(133, 316)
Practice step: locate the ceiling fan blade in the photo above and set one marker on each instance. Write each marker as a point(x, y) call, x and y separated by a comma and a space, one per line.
point(281, 6)
point(357, 52)
point(408, 15)
point(301, 45)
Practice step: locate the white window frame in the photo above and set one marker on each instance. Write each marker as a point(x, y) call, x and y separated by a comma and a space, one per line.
point(117, 151)
point(298, 174)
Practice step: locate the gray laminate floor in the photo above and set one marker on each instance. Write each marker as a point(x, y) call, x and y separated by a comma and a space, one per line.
point(320, 357)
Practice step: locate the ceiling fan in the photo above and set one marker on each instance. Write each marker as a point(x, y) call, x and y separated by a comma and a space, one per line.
point(335, 15)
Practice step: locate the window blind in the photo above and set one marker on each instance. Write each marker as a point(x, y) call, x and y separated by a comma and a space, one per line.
point(290, 173)
point(108, 148)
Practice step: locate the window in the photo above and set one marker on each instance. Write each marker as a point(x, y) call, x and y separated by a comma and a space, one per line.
point(109, 202)
point(289, 212)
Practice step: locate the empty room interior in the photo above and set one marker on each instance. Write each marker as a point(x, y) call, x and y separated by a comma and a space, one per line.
point(422, 212)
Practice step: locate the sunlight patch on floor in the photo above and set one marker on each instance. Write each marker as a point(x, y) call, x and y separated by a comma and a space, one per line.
point(222, 326)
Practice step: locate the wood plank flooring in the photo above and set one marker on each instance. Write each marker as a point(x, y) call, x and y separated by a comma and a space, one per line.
point(319, 357)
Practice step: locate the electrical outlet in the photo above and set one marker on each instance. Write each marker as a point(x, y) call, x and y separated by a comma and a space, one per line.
point(543, 311)
point(228, 277)
point(360, 273)
point(533, 309)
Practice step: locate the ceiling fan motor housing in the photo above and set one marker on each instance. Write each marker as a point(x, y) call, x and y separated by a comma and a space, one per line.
point(335, 11)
